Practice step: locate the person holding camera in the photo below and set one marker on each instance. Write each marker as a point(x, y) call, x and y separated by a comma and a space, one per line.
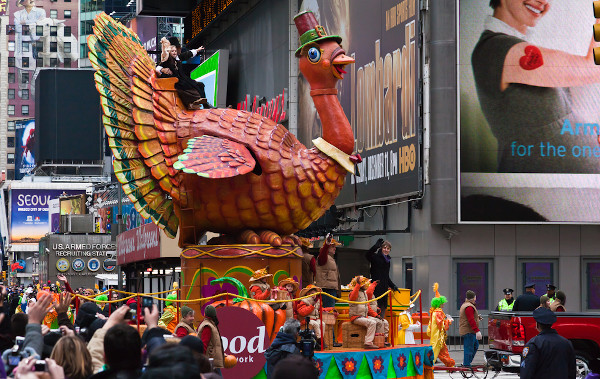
point(283, 345)
point(380, 260)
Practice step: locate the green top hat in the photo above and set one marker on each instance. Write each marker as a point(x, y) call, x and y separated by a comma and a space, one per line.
point(310, 30)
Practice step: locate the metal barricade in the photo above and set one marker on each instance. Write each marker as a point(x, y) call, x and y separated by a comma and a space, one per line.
point(455, 341)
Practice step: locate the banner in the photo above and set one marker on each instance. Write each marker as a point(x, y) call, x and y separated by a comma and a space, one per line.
point(529, 111)
point(25, 140)
point(139, 244)
point(29, 213)
point(379, 94)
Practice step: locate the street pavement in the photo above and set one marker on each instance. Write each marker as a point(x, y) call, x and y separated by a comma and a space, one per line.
point(457, 355)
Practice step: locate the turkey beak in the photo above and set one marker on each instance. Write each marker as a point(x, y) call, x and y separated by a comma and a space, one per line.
point(338, 64)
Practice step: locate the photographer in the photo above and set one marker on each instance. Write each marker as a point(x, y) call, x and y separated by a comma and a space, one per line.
point(283, 345)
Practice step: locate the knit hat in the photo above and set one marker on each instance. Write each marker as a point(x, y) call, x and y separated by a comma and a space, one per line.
point(193, 342)
point(185, 310)
point(210, 311)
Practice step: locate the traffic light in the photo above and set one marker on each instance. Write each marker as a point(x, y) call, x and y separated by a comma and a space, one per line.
point(597, 32)
point(3, 275)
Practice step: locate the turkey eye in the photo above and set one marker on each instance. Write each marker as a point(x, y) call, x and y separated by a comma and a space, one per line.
point(314, 54)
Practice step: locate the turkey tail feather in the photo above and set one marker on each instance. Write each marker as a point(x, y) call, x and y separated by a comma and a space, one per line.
point(124, 77)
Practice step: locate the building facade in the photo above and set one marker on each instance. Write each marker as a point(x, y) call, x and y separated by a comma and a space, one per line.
point(42, 35)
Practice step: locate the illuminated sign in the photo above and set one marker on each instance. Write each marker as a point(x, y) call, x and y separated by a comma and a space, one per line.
point(206, 12)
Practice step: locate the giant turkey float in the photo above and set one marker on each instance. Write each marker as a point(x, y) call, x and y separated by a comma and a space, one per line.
point(245, 177)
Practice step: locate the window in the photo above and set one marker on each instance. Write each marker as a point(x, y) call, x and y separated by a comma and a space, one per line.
point(10, 158)
point(540, 272)
point(53, 47)
point(53, 31)
point(11, 93)
point(11, 110)
point(39, 62)
point(67, 47)
point(39, 30)
point(25, 94)
point(11, 45)
point(10, 174)
point(68, 62)
point(10, 141)
point(53, 62)
point(11, 77)
point(25, 78)
point(592, 283)
point(25, 62)
point(67, 13)
point(10, 29)
point(11, 61)
point(473, 275)
point(11, 126)
point(67, 31)
point(53, 13)
point(39, 46)
point(83, 51)
point(25, 29)
point(25, 110)
point(25, 46)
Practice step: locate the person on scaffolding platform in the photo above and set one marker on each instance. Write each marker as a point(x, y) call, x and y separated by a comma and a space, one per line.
point(439, 323)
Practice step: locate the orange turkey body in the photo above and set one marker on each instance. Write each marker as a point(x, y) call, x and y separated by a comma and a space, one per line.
point(290, 187)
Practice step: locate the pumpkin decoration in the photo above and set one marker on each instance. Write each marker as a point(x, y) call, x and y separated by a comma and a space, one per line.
point(273, 320)
point(230, 361)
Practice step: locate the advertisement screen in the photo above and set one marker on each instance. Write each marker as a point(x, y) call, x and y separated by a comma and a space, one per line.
point(529, 113)
point(213, 74)
point(25, 140)
point(29, 213)
point(378, 94)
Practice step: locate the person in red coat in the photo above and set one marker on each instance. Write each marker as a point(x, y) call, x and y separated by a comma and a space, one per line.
point(259, 287)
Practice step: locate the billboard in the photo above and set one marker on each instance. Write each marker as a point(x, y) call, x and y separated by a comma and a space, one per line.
point(25, 142)
point(139, 244)
point(379, 94)
point(529, 110)
point(29, 216)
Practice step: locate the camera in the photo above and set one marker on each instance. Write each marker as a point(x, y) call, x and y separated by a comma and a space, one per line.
point(14, 355)
point(40, 365)
point(307, 341)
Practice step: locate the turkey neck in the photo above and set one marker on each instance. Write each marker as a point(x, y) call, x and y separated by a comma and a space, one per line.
point(336, 128)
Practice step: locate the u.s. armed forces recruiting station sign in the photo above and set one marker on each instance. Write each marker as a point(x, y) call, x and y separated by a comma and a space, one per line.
point(378, 93)
point(78, 257)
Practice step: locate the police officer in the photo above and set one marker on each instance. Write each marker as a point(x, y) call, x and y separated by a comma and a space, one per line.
point(528, 301)
point(508, 302)
point(551, 291)
point(547, 355)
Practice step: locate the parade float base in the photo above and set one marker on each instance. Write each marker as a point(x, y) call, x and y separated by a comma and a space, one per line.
point(401, 361)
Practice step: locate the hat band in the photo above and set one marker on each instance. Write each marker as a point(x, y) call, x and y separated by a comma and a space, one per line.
point(313, 34)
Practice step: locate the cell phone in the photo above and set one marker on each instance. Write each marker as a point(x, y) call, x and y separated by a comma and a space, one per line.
point(147, 303)
point(131, 315)
point(40, 365)
point(19, 342)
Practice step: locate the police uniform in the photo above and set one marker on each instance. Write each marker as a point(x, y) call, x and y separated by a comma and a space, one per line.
point(547, 355)
point(506, 305)
point(549, 287)
point(527, 302)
